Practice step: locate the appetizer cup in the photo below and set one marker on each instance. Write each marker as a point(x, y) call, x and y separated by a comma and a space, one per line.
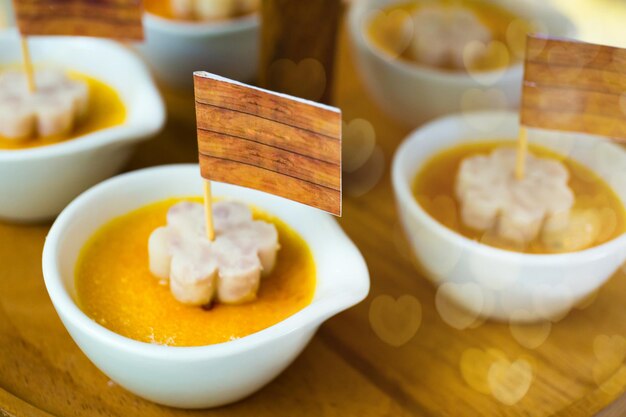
point(174, 49)
point(413, 93)
point(495, 283)
point(206, 376)
point(36, 183)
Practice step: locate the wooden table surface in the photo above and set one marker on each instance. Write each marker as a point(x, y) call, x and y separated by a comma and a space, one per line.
point(392, 355)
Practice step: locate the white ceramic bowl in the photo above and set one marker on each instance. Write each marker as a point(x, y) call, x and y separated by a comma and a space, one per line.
point(175, 49)
point(208, 376)
point(492, 282)
point(7, 16)
point(36, 183)
point(413, 94)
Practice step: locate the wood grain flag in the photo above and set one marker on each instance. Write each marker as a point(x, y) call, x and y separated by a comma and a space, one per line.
point(117, 19)
point(575, 86)
point(269, 141)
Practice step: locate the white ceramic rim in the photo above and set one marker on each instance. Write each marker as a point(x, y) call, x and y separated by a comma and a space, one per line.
point(125, 132)
point(403, 189)
point(311, 315)
point(201, 28)
point(357, 20)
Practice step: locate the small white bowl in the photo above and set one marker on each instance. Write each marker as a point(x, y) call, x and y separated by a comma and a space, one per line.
point(207, 376)
point(413, 94)
point(7, 16)
point(175, 49)
point(36, 183)
point(496, 283)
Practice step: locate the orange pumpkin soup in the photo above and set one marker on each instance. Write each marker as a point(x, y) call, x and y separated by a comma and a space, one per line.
point(388, 31)
point(105, 110)
point(116, 289)
point(163, 8)
point(433, 189)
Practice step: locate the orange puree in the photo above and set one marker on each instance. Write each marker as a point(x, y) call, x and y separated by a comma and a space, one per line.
point(386, 31)
point(116, 289)
point(163, 8)
point(105, 110)
point(434, 191)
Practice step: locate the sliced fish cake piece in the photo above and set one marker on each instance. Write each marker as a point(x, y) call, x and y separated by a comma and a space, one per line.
point(260, 238)
point(55, 115)
point(187, 219)
point(17, 121)
point(442, 34)
point(229, 214)
point(228, 269)
point(239, 271)
point(215, 9)
point(183, 9)
point(492, 197)
point(51, 110)
point(206, 9)
point(160, 253)
point(193, 272)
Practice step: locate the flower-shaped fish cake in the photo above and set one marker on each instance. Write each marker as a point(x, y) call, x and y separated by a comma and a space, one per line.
point(228, 269)
point(51, 110)
point(492, 198)
point(211, 9)
point(442, 33)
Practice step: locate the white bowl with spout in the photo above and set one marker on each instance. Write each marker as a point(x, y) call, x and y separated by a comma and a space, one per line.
point(205, 376)
point(36, 183)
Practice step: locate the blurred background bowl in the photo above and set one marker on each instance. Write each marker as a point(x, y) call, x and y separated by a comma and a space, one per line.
point(174, 49)
point(543, 286)
point(413, 93)
point(199, 376)
point(37, 183)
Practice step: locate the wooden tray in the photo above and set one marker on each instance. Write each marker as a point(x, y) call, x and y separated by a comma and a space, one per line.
point(347, 369)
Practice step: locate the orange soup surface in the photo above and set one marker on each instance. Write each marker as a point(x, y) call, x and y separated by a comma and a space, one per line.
point(433, 189)
point(105, 109)
point(163, 8)
point(116, 289)
point(388, 31)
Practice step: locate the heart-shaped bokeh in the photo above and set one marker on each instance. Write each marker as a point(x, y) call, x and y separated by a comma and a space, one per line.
point(610, 352)
point(486, 63)
point(394, 30)
point(358, 143)
point(529, 335)
point(451, 299)
point(367, 176)
point(305, 79)
point(475, 365)
point(510, 381)
point(395, 321)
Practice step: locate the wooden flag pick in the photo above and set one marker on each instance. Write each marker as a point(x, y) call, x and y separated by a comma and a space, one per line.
point(573, 86)
point(117, 19)
point(269, 141)
point(28, 65)
point(208, 211)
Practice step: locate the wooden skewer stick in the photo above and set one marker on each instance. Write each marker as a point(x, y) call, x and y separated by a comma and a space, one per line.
point(522, 150)
point(208, 210)
point(28, 65)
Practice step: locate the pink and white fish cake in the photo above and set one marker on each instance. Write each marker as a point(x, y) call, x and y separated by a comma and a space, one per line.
point(442, 34)
point(228, 269)
point(492, 198)
point(212, 9)
point(52, 109)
